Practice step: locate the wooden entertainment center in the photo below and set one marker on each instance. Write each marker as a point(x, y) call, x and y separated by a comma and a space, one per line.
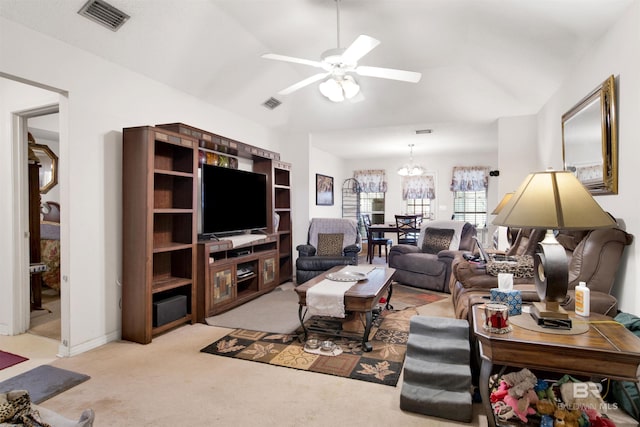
point(169, 278)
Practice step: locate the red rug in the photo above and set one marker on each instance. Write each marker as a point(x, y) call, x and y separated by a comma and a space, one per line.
point(9, 359)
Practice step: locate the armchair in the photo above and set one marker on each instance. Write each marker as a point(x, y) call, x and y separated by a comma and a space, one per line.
point(428, 265)
point(330, 242)
point(593, 257)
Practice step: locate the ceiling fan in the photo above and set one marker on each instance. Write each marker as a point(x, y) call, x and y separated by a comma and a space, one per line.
point(338, 64)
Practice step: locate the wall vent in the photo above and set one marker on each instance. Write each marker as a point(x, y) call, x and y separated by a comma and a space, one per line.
point(271, 103)
point(423, 131)
point(104, 14)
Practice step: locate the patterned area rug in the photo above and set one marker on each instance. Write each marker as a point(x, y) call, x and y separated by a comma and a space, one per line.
point(383, 365)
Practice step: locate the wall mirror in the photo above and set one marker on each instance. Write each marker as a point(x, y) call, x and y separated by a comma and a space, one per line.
point(590, 140)
point(48, 166)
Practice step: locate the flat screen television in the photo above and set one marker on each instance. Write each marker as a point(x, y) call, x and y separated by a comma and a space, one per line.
point(232, 201)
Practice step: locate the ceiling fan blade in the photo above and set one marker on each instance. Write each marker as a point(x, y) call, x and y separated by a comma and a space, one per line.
point(359, 48)
point(277, 57)
point(303, 83)
point(389, 73)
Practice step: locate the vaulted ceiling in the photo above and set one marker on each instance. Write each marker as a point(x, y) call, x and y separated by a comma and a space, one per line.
point(479, 59)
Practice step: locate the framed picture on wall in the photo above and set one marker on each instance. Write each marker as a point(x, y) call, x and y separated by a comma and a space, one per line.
point(324, 190)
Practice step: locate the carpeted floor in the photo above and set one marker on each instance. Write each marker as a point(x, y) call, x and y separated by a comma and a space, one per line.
point(277, 311)
point(10, 359)
point(382, 365)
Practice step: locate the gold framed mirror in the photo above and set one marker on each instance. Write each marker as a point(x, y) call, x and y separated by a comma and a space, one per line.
point(48, 166)
point(590, 139)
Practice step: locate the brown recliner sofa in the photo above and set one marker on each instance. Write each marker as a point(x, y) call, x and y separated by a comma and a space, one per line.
point(593, 255)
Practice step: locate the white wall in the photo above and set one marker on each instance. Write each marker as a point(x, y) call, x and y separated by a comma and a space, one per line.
point(102, 99)
point(437, 164)
point(15, 97)
point(617, 53)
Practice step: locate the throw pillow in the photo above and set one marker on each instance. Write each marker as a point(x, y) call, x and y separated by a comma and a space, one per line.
point(522, 268)
point(436, 240)
point(330, 244)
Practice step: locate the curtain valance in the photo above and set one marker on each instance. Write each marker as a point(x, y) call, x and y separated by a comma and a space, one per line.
point(418, 187)
point(470, 178)
point(372, 180)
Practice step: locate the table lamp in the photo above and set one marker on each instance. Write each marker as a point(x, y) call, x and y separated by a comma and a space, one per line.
point(554, 200)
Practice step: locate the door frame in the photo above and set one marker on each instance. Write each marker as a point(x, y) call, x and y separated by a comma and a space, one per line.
point(22, 286)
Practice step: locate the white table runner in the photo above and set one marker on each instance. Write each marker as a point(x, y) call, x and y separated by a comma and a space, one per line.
point(327, 297)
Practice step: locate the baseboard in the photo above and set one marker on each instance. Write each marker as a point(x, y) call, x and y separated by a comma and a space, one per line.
point(64, 351)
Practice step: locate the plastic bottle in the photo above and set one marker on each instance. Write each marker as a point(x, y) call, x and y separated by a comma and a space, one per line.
point(583, 298)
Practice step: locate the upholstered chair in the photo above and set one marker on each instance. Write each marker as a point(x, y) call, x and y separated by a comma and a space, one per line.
point(330, 242)
point(428, 264)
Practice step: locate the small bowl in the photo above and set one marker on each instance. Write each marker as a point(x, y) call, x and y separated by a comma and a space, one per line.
point(327, 346)
point(312, 344)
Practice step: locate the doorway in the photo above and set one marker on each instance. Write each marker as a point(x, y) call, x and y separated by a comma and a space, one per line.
point(44, 150)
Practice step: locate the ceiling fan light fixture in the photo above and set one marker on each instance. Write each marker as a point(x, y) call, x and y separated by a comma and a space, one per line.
point(337, 89)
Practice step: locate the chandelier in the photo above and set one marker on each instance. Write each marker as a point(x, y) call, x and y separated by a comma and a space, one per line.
point(338, 88)
point(411, 169)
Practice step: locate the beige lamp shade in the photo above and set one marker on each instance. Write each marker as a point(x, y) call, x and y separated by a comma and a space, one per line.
point(503, 203)
point(553, 200)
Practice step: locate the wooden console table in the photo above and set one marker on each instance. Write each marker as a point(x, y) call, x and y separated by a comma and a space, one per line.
point(606, 350)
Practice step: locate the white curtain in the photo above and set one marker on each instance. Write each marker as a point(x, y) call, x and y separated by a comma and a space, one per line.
point(418, 187)
point(470, 178)
point(372, 180)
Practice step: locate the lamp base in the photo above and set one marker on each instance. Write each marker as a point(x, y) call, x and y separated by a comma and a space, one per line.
point(550, 315)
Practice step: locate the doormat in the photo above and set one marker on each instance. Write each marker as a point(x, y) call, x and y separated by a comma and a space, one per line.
point(43, 382)
point(10, 359)
point(382, 365)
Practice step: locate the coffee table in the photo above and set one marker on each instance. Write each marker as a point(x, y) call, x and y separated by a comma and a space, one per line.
point(606, 350)
point(362, 297)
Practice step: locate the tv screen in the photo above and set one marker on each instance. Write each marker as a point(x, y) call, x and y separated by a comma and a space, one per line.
point(232, 201)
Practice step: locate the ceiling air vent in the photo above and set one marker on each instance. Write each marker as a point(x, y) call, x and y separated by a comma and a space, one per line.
point(423, 131)
point(271, 103)
point(104, 14)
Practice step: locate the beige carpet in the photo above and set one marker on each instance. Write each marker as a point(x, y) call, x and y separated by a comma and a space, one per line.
point(169, 382)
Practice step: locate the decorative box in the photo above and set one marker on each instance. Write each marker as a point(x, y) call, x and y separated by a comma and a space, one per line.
point(511, 298)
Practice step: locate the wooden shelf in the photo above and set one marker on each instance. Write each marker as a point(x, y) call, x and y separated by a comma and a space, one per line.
point(159, 228)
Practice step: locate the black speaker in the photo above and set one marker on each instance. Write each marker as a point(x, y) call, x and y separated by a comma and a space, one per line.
point(169, 309)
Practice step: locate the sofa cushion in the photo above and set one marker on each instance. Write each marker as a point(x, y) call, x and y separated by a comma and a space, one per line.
point(456, 226)
point(330, 244)
point(436, 240)
point(522, 268)
point(420, 263)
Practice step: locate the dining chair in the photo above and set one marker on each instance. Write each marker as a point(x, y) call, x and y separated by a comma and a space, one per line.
point(378, 241)
point(408, 229)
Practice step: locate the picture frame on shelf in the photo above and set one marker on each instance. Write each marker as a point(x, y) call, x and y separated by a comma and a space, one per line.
point(324, 190)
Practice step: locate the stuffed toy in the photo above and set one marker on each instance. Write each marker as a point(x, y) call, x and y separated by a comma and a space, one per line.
point(545, 407)
point(521, 407)
point(566, 418)
point(520, 382)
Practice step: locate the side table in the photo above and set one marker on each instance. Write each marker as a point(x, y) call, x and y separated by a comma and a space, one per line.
point(607, 349)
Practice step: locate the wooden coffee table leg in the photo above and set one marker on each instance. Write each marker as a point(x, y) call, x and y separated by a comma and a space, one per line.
point(301, 317)
point(366, 345)
point(389, 306)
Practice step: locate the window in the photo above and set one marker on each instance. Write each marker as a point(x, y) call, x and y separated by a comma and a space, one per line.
point(419, 207)
point(372, 204)
point(471, 206)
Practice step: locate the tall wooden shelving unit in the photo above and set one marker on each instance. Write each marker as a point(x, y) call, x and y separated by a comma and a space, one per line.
point(279, 201)
point(159, 228)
